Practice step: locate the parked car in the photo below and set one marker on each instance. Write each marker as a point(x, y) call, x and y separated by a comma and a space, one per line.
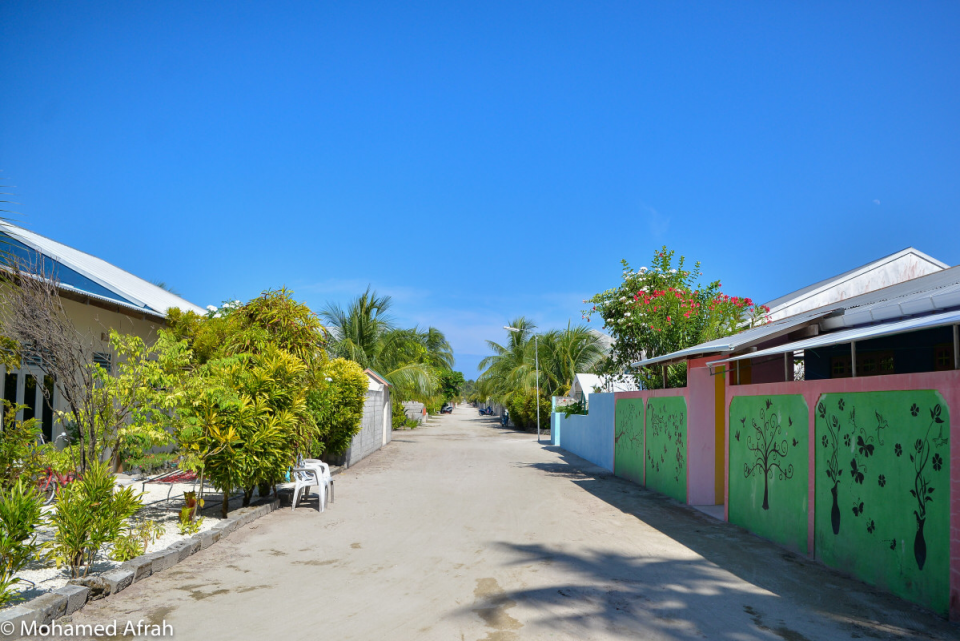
point(446, 409)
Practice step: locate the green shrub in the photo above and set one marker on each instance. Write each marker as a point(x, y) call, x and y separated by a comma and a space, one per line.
point(188, 526)
point(20, 516)
point(19, 454)
point(151, 462)
point(135, 540)
point(398, 418)
point(337, 406)
point(88, 516)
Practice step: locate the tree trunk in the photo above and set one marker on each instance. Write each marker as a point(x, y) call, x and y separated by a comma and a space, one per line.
point(766, 493)
point(835, 511)
point(226, 503)
point(247, 495)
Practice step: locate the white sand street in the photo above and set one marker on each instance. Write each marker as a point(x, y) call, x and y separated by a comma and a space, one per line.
point(464, 530)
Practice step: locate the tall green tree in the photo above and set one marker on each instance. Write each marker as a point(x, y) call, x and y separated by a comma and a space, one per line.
point(664, 308)
point(511, 372)
point(410, 359)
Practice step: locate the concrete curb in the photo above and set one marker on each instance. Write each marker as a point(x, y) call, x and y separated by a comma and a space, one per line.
point(64, 601)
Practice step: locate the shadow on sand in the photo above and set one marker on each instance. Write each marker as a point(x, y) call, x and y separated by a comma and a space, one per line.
point(735, 586)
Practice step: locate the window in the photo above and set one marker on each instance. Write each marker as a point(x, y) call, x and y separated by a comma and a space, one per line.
point(103, 360)
point(47, 422)
point(840, 367)
point(943, 357)
point(868, 364)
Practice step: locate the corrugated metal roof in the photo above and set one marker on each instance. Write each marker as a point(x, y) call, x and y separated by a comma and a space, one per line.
point(134, 292)
point(854, 335)
point(793, 298)
point(939, 291)
point(744, 339)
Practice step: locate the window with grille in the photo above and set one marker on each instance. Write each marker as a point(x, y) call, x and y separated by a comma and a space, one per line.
point(103, 360)
point(943, 357)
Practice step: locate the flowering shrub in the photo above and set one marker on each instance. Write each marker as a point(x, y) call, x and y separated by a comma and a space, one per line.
point(662, 309)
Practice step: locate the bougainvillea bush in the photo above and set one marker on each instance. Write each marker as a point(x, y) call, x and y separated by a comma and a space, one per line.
point(662, 309)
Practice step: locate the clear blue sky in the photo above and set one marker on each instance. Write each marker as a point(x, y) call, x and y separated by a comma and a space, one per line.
point(485, 160)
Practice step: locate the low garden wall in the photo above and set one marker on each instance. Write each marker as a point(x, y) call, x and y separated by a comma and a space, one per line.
point(861, 474)
point(590, 435)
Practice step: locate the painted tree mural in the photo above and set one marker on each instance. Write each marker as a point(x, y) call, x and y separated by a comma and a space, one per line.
point(769, 467)
point(894, 448)
point(769, 450)
point(666, 446)
point(628, 440)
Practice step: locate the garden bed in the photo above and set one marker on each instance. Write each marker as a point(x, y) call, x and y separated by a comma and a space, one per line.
point(157, 506)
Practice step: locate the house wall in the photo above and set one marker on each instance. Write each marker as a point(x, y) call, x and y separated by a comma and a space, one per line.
point(878, 542)
point(590, 435)
point(912, 353)
point(93, 325)
point(377, 415)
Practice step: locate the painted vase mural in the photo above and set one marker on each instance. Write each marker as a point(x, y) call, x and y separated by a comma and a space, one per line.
point(894, 448)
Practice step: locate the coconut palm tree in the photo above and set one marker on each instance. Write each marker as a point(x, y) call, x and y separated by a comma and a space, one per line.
point(562, 354)
point(410, 359)
point(565, 353)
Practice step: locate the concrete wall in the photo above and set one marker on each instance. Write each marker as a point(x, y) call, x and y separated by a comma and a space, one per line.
point(414, 410)
point(886, 554)
point(375, 426)
point(590, 435)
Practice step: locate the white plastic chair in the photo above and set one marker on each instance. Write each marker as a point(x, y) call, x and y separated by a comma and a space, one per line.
point(323, 471)
point(305, 478)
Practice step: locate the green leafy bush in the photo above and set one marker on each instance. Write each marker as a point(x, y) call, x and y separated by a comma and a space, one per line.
point(19, 453)
point(135, 540)
point(151, 462)
point(20, 516)
point(88, 516)
point(188, 526)
point(337, 405)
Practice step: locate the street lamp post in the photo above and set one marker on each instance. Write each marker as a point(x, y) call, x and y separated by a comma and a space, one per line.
point(536, 361)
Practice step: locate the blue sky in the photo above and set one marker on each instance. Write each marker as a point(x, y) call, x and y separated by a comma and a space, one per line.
point(479, 161)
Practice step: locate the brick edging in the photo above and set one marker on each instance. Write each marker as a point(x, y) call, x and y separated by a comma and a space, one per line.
point(64, 601)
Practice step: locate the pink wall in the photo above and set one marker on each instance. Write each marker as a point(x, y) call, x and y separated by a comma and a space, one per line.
point(701, 433)
point(947, 383)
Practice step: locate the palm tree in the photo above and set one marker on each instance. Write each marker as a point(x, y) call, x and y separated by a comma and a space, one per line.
point(410, 359)
point(562, 354)
point(565, 353)
point(511, 369)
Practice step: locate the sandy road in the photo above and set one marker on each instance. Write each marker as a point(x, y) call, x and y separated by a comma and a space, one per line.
point(462, 530)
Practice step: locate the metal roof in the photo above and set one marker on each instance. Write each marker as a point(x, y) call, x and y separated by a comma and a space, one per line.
point(98, 278)
point(810, 291)
point(854, 335)
point(743, 340)
point(939, 291)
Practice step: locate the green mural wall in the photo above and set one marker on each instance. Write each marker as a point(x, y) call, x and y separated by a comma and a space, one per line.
point(882, 491)
point(666, 456)
point(769, 467)
point(628, 440)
